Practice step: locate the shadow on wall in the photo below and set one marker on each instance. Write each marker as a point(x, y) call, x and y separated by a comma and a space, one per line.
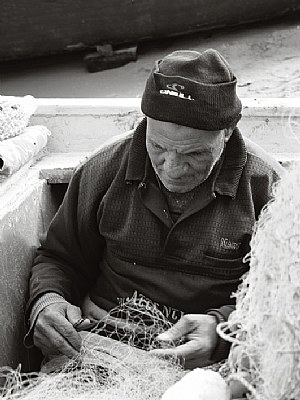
point(16, 258)
point(23, 219)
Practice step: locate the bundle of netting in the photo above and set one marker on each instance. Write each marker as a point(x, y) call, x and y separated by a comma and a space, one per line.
point(15, 113)
point(265, 328)
point(114, 363)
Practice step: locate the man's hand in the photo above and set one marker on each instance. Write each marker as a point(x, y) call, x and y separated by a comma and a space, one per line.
point(54, 331)
point(237, 357)
point(200, 339)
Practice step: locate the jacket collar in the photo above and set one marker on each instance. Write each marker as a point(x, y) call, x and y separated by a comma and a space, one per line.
point(137, 154)
point(235, 157)
point(226, 183)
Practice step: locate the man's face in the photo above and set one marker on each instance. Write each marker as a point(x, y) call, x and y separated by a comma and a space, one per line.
point(182, 157)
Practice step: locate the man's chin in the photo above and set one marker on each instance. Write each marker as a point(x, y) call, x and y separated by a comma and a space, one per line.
point(179, 187)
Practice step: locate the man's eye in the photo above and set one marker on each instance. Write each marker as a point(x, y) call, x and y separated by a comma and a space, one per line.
point(157, 146)
point(196, 153)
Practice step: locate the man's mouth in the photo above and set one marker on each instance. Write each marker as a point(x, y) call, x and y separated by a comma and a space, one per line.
point(175, 181)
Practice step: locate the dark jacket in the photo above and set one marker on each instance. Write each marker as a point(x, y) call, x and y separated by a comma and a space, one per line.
point(113, 235)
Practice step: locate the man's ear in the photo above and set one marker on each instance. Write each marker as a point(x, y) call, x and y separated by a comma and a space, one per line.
point(228, 133)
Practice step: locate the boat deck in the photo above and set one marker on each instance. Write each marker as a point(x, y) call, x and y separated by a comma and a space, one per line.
point(31, 196)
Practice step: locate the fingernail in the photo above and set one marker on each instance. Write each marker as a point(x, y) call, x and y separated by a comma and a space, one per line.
point(163, 336)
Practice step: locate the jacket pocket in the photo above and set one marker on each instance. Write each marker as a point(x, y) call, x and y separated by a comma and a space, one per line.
point(223, 268)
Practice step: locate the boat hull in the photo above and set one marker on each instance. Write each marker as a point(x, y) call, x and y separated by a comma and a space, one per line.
point(33, 28)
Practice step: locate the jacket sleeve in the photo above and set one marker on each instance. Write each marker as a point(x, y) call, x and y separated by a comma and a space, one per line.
point(223, 347)
point(67, 260)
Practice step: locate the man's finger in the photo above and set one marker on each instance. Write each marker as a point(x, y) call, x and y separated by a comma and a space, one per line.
point(95, 312)
point(73, 314)
point(52, 342)
point(164, 352)
point(65, 346)
point(185, 350)
point(185, 357)
point(237, 389)
point(58, 330)
point(177, 331)
point(69, 333)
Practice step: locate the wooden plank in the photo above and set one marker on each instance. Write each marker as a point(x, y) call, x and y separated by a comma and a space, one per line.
point(80, 126)
point(59, 167)
point(39, 27)
point(85, 124)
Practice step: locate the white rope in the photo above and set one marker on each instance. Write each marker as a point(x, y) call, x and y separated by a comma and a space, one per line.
point(17, 151)
point(15, 113)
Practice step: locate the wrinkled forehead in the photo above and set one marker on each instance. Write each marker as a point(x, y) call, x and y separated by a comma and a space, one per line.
point(177, 135)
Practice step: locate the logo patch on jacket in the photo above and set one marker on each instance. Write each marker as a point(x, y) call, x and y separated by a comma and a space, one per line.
point(227, 244)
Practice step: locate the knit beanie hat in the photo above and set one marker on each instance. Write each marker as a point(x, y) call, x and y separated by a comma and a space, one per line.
point(193, 89)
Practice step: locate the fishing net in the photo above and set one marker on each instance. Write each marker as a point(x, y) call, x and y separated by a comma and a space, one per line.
point(265, 328)
point(114, 363)
point(15, 113)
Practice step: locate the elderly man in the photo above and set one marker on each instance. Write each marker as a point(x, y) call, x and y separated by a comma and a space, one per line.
point(165, 211)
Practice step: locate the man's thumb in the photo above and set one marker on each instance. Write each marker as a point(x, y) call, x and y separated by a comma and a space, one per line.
point(74, 314)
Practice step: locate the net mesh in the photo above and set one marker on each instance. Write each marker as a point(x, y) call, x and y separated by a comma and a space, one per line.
point(265, 327)
point(15, 113)
point(114, 363)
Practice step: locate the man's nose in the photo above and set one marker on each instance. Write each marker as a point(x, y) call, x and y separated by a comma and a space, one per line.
point(174, 164)
point(173, 158)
